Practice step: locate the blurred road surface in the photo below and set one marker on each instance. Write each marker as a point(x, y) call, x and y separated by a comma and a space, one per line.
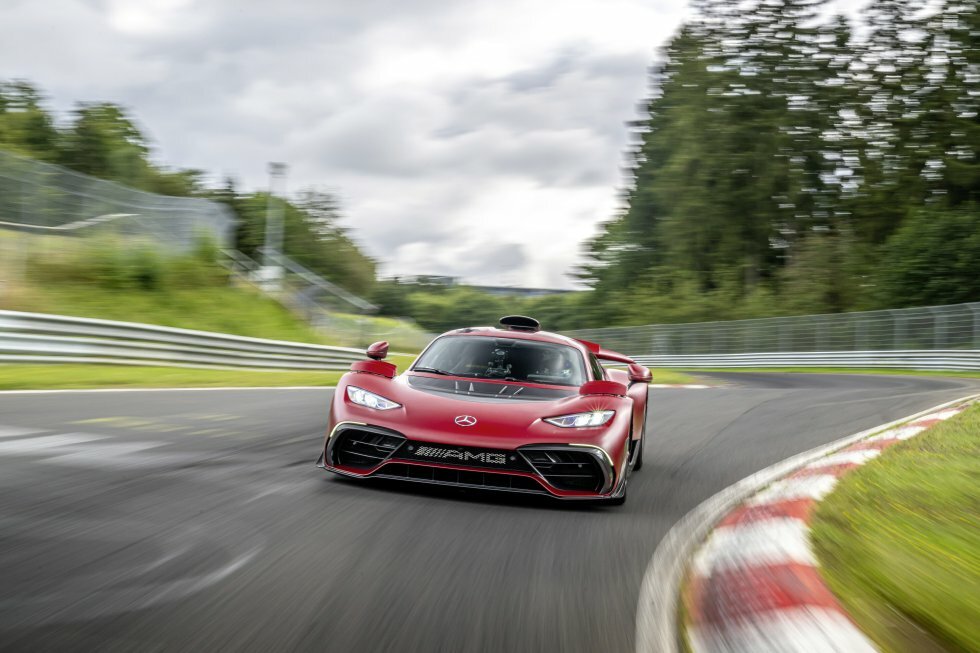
point(195, 520)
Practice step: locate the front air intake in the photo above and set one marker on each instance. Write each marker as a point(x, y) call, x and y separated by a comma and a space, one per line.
point(363, 447)
point(569, 468)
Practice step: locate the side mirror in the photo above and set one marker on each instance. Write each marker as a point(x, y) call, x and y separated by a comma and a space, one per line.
point(639, 374)
point(602, 388)
point(378, 351)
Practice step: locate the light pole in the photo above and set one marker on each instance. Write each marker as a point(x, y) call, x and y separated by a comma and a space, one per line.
point(272, 272)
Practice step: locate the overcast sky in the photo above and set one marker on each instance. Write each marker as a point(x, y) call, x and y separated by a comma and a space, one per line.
point(481, 139)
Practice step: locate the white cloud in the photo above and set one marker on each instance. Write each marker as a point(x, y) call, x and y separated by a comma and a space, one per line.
point(480, 138)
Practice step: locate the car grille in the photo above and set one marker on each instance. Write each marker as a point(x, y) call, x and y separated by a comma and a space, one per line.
point(566, 469)
point(459, 477)
point(364, 448)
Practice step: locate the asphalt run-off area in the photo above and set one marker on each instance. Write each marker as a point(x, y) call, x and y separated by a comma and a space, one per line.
point(196, 520)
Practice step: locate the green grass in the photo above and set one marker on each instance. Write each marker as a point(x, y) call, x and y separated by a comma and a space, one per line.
point(119, 278)
point(54, 376)
point(899, 541)
point(238, 311)
point(57, 377)
point(845, 370)
point(673, 377)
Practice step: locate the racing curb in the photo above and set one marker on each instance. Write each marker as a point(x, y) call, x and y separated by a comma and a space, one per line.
point(754, 585)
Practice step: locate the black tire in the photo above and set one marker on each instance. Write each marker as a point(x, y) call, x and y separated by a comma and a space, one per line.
point(638, 465)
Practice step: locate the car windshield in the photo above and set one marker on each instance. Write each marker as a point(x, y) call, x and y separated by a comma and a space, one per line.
point(507, 359)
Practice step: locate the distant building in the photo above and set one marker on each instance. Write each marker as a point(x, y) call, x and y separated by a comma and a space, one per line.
point(513, 291)
point(502, 291)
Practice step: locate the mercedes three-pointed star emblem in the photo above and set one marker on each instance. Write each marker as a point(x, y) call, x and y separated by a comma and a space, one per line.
point(465, 420)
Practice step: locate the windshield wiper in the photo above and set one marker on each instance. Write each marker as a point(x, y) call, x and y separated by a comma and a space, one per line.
point(433, 370)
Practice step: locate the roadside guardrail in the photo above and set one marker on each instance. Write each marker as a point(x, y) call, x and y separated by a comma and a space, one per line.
point(45, 338)
point(930, 359)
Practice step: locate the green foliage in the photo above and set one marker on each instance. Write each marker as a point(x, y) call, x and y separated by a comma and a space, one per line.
point(932, 259)
point(777, 156)
point(109, 264)
point(780, 166)
point(312, 234)
point(103, 140)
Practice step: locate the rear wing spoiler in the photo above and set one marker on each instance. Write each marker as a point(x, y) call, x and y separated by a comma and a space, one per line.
point(606, 354)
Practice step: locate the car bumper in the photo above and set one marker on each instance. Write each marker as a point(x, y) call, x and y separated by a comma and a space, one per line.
point(561, 471)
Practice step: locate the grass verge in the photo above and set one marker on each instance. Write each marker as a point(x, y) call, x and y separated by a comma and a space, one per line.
point(970, 374)
point(61, 377)
point(64, 377)
point(899, 541)
point(673, 377)
point(223, 309)
point(54, 376)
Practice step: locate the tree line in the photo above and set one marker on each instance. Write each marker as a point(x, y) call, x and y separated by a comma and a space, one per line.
point(103, 140)
point(787, 163)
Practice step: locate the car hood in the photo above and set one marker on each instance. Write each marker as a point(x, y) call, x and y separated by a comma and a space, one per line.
point(430, 412)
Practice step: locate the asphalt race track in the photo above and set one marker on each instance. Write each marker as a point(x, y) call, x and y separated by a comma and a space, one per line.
point(195, 520)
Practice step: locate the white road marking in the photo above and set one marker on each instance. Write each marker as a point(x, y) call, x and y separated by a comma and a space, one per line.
point(858, 457)
point(113, 456)
point(686, 386)
point(794, 630)
point(901, 433)
point(790, 489)
point(33, 445)
point(777, 541)
point(79, 391)
point(944, 414)
point(14, 432)
point(87, 450)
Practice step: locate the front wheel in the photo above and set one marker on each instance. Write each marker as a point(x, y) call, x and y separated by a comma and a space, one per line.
point(638, 464)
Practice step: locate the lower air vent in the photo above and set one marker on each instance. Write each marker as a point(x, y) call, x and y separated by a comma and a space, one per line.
point(568, 469)
point(363, 448)
point(462, 478)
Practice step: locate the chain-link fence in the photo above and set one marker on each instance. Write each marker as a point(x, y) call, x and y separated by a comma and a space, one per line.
point(954, 327)
point(340, 316)
point(40, 198)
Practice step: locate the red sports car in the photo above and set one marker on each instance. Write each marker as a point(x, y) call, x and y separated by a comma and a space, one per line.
point(514, 409)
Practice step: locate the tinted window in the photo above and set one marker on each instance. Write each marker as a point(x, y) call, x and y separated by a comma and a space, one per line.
point(598, 373)
point(507, 359)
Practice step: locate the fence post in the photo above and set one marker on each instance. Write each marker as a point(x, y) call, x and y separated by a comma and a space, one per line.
point(898, 329)
point(975, 309)
point(938, 328)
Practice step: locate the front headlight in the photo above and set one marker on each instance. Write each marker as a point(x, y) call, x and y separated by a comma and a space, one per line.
point(581, 420)
point(369, 399)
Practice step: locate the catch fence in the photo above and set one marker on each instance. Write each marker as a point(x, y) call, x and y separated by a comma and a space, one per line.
point(932, 337)
point(41, 198)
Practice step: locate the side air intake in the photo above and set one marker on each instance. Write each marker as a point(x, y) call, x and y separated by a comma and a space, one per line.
point(363, 447)
point(568, 468)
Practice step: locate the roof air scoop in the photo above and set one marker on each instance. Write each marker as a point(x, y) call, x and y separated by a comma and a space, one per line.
point(520, 323)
